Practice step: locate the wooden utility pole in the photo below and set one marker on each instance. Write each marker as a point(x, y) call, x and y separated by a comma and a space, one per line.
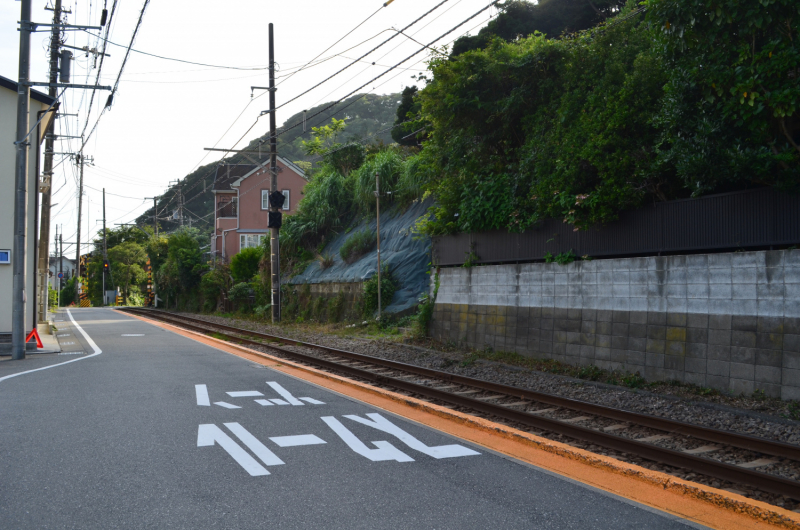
point(47, 173)
point(80, 160)
point(274, 243)
point(21, 185)
point(105, 247)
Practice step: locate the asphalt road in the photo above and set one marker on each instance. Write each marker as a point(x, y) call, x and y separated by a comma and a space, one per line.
point(159, 431)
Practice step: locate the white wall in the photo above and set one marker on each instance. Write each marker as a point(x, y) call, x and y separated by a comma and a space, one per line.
point(8, 128)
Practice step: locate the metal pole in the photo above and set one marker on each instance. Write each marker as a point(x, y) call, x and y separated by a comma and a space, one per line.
point(275, 253)
point(105, 248)
point(21, 185)
point(78, 243)
point(378, 222)
point(47, 173)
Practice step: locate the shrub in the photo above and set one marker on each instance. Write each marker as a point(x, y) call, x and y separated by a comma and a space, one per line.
point(357, 245)
point(244, 265)
point(240, 292)
point(325, 261)
point(388, 287)
point(336, 307)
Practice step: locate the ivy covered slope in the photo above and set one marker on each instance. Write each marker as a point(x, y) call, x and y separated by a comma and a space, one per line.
point(364, 116)
point(670, 99)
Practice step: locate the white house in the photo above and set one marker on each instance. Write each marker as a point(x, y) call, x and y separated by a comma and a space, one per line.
point(39, 103)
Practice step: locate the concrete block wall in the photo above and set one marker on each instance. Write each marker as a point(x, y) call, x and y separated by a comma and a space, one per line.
point(728, 321)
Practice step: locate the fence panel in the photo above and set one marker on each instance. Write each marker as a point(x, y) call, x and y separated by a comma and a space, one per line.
point(746, 219)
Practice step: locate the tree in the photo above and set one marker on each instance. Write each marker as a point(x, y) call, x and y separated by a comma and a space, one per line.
point(244, 265)
point(551, 17)
point(407, 112)
point(129, 258)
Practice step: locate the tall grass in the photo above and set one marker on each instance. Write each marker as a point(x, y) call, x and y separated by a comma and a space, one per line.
point(357, 245)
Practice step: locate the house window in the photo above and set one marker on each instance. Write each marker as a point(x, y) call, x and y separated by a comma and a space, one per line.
point(228, 209)
point(286, 202)
point(250, 240)
point(265, 199)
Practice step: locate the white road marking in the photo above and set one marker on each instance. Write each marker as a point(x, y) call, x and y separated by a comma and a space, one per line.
point(439, 451)
point(279, 401)
point(97, 351)
point(209, 434)
point(300, 439)
point(263, 402)
point(67, 343)
point(245, 393)
point(385, 450)
point(71, 353)
point(201, 391)
point(64, 335)
point(285, 394)
point(226, 405)
point(252, 443)
point(132, 335)
point(312, 401)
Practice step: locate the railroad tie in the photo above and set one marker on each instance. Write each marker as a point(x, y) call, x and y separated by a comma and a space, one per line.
point(616, 427)
point(702, 449)
point(577, 419)
point(542, 411)
point(492, 397)
point(464, 392)
point(655, 438)
point(758, 463)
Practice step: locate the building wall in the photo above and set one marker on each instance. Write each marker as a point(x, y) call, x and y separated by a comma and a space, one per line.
point(252, 218)
point(8, 128)
point(727, 321)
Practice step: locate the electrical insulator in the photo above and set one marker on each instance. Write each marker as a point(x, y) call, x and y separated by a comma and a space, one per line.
point(104, 17)
point(66, 66)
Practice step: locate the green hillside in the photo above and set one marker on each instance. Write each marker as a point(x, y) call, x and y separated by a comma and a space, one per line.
point(365, 116)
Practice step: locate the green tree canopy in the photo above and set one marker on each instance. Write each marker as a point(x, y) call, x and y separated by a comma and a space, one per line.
point(129, 258)
point(244, 265)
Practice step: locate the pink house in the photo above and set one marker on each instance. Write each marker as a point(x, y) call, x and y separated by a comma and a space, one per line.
point(241, 198)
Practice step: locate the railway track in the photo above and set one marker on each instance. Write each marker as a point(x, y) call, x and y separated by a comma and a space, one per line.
point(669, 442)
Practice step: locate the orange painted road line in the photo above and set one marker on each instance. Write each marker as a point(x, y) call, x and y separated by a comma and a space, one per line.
point(705, 505)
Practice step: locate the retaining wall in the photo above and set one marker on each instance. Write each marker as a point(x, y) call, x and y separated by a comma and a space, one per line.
point(726, 321)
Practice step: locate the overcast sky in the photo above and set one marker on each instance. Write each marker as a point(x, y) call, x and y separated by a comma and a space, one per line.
point(165, 112)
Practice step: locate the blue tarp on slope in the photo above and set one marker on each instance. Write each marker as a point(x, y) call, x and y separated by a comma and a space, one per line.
point(408, 258)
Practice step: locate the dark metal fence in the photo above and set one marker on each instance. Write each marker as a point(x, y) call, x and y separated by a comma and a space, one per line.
point(748, 219)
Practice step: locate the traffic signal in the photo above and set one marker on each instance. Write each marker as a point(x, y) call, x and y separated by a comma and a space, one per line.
point(106, 266)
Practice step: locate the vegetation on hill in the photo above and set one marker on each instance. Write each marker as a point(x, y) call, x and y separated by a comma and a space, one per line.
point(365, 115)
point(673, 101)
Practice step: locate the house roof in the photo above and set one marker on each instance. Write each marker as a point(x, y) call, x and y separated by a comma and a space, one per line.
point(230, 173)
point(35, 94)
point(294, 167)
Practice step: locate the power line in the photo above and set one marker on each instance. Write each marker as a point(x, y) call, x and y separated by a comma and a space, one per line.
point(359, 59)
point(119, 75)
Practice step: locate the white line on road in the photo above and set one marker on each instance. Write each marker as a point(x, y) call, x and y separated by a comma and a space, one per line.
point(385, 451)
point(263, 402)
point(312, 401)
point(97, 351)
point(209, 434)
point(201, 391)
point(285, 394)
point(226, 405)
point(279, 401)
point(252, 443)
point(300, 439)
point(245, 393)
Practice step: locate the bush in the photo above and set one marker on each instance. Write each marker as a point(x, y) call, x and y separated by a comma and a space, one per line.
point(388, 287)
point(240, 294)
point(336, 307)
point(244, 265)
point(68, 292)
point(357, 245)
point(212, 287)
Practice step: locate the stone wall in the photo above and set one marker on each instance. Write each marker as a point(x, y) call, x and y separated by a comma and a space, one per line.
point(727, 321)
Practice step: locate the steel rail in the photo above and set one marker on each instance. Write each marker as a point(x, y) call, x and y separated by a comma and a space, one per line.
point(716, 469)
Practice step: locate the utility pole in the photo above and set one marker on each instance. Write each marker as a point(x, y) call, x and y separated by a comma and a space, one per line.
point(105, 247)
point(378, 221)
point(61, 263)
point(79, 159)
point(21, 184)
point(44, 229)
point(155, 215)
point(275, 253)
